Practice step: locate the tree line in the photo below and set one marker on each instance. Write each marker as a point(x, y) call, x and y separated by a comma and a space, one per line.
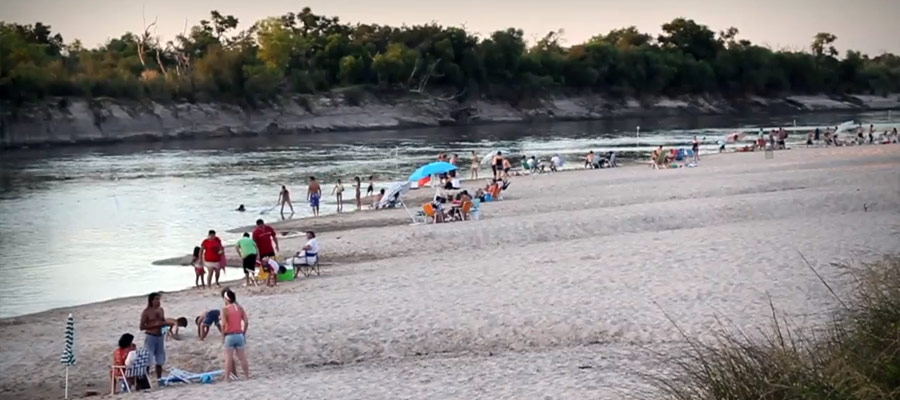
point(309, 53)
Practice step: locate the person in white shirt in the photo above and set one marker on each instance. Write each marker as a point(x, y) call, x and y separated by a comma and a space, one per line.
point(555, 163)
point(310, 253)
point(312, 244)
point(272, 268)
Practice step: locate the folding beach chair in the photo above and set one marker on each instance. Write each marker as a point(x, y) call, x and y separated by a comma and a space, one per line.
point(138, 370)
point(180, 376)
point(307, 263)
point(428, 212)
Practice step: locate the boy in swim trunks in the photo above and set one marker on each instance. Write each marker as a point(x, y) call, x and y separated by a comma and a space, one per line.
point(314, 194)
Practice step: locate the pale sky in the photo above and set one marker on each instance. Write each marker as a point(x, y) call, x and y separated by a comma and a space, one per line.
point(871, 26)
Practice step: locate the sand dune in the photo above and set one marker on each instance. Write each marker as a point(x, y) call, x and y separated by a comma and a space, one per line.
point(559, 291)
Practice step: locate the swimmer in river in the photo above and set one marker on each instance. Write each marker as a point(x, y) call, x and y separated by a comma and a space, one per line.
point(241, 208)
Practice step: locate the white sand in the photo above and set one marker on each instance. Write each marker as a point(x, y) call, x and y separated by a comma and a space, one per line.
point(558, 292)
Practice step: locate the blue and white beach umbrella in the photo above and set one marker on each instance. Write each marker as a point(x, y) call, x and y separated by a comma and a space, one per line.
point(68, 355)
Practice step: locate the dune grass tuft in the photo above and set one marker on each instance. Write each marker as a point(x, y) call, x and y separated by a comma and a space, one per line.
point(854, 356)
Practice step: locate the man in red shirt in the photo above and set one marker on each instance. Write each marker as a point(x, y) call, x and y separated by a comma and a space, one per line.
point(211, 252)
point(264, 236)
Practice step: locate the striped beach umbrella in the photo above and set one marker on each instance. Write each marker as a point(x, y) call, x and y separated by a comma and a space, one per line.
point(68, 355)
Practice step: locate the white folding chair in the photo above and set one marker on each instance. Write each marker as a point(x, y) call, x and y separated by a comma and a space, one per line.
point(137, 370)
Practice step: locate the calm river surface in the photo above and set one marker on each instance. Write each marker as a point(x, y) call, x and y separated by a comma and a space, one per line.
point(83, 224)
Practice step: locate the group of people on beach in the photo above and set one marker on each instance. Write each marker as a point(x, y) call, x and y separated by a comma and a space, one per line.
point(209, 257)
point(314, 195)
point(257, 250)
point(776, 139)
point(231, 321)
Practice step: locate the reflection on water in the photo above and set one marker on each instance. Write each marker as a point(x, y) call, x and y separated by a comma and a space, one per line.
point(82, 224)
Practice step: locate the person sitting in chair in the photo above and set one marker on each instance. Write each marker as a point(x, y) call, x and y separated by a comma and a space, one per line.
point(123, 356)
point(310, 252)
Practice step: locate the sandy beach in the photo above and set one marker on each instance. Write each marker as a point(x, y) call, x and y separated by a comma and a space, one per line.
point(560, 291)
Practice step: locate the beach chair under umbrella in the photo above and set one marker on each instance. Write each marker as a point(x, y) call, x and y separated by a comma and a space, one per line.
point(428, 170)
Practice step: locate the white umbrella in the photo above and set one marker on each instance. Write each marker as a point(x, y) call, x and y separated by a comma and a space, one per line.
point(486, 160)
point(846, 126)
point(396, 189)
point(68, 355)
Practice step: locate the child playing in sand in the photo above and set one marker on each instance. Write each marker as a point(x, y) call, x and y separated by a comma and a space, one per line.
point(198, 269)
point(207, 320)
point(175, 325)
point(272, 268)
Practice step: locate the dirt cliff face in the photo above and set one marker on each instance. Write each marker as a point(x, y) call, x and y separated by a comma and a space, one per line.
point(68, 121)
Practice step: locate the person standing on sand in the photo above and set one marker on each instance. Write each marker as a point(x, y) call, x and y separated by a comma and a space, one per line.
point(371, 189)
point(497, 164)
point(284, 197)
point(264, 236)
point(314, 194)
point(654, 157)
point(473, 168)
point(589, 160)
point(358, 186)
point(212, 252)
point(247, 250)
point(338, 191)
point(234, 338)
point(153, 319)
point(695, 148)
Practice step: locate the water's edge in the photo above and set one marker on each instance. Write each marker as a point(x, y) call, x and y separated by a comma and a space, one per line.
point(79, 121)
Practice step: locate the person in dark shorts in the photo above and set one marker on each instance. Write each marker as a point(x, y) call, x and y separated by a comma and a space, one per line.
point(206, 321)
point(371, 189)
point(247, 250)
point(497, 164)
point(695, 149)
point(264, 237)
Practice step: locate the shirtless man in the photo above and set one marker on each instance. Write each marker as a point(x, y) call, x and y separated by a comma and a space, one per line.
point(153, 319)
point(313, 195)
point(589, 160)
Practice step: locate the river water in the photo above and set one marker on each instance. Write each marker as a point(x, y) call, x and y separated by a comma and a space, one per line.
point(83, 224)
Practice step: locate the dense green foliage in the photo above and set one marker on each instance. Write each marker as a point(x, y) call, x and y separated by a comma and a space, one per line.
point(308, 53)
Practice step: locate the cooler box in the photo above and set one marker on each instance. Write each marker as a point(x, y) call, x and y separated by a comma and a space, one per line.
point(288, 275)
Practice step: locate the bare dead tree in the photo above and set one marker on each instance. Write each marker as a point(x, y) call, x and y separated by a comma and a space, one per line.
point(144, 39)
point(422, 85)
point(412, 75)
point(158, 47)
point(182, 59)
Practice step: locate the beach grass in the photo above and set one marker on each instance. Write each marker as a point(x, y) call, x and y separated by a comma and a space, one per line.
point(854, 356)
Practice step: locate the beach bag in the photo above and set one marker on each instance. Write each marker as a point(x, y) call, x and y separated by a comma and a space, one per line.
point(142, 383)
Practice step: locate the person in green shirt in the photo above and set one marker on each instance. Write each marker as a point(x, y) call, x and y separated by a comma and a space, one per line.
point(246, 249)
